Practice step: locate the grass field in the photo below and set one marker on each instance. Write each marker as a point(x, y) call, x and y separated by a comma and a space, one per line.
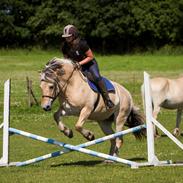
point(76, 167)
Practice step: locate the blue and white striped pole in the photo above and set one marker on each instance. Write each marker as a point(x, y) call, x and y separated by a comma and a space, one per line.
point(97, 141)
point(76, 148)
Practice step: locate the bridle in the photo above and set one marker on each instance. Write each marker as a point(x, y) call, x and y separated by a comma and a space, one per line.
point(57, 86)
point(55, 94)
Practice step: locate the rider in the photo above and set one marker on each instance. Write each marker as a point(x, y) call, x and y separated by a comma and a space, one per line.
point(77, 49)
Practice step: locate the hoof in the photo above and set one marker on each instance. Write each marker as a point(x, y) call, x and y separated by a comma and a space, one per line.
point(176, 132)
point(90, 136)
point(68, 133)
point(157, 136)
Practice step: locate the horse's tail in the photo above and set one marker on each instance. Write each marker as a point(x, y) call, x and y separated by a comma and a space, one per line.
point(136, 119)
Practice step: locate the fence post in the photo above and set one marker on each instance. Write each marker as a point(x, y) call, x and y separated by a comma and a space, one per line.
point(150, 127)
point(6, 119)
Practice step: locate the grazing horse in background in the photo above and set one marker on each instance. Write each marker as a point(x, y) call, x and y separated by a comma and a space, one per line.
point(168, 94)
point(61, 78)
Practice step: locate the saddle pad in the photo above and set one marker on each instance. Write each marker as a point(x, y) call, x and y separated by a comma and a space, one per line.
point(108, 84)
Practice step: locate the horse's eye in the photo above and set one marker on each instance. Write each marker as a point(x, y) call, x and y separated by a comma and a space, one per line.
point(51, 87)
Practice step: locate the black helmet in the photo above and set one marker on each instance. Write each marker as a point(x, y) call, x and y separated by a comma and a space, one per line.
point(70, 30)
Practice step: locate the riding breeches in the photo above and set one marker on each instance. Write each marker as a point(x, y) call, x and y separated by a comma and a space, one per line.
point(91, 71)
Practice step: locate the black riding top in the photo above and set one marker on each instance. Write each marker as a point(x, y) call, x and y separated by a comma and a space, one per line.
point(76, 52)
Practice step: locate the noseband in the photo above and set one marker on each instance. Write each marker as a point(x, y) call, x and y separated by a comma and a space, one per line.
point(55, 95)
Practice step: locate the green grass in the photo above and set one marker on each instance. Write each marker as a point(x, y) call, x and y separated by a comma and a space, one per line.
point(76, 167)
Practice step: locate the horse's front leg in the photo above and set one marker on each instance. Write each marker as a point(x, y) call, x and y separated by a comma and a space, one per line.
point(156, 111)
point(176, 131)
point(84, 114)
point(61, 126)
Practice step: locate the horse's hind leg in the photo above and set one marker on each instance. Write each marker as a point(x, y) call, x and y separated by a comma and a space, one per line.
point(176, 131)
point(61, 126)
point(106, 127)
point(120, 120)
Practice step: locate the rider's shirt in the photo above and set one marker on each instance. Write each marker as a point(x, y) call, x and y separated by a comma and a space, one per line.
point(76, 53)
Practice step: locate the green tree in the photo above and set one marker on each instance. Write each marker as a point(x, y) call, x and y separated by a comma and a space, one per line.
point(13, 17)
point(107, 24)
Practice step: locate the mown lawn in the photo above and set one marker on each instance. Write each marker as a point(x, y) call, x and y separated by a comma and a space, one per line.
point(76, 167)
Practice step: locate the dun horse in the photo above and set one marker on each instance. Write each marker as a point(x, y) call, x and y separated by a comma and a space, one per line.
point(61, 78)
point(168, 94)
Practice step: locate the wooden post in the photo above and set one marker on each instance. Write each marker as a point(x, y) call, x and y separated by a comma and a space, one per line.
point(31, 97)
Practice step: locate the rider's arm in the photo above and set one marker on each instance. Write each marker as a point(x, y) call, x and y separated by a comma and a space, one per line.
point(89, 57)
point(64, 51)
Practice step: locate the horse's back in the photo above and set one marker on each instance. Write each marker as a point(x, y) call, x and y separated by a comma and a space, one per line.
point(122, 100)
point(167, 92)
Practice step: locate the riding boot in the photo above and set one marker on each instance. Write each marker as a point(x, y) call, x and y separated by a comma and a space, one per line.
point(109, 104)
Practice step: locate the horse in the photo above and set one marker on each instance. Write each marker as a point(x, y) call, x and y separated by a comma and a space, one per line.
point(62, 79)
point(167, 93)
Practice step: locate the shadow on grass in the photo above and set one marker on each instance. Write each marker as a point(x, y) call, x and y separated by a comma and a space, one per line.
point(94, 162)
point(164, 135)
point(80, 163)
point(137, 159)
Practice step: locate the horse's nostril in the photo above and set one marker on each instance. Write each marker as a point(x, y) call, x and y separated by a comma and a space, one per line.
point(47, 108)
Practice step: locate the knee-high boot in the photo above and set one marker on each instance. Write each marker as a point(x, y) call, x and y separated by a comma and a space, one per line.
point(105, 95)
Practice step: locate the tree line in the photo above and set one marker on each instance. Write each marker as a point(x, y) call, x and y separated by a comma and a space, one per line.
point(108, 25)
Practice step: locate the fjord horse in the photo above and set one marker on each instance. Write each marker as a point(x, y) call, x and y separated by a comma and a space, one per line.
point(168, 94)
point(61, 78)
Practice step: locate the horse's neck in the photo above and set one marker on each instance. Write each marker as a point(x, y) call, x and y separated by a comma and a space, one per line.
point(78, 79)
point(82, 76)
point(74, 82)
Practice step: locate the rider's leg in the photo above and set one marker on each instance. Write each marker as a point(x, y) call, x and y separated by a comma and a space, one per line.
point(96, 77)
point(104, 92)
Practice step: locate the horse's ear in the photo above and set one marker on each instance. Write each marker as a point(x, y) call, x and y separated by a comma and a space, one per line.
point(53, 61)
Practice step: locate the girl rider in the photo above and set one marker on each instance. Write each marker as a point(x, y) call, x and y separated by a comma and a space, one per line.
point(77, 49)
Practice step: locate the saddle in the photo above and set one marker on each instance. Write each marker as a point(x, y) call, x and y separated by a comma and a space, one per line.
point(108, 84)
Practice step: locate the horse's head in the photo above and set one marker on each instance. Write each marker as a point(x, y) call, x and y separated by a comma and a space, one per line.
point(54, 78)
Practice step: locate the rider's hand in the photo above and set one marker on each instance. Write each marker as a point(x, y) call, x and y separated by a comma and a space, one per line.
point(78, 66)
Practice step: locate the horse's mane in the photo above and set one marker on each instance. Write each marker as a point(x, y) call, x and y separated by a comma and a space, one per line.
point(54, 64)
point(51, 67)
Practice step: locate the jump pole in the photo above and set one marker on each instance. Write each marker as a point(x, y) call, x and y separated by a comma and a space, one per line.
point(5, 125)
point(80, 147)
point(4, 161)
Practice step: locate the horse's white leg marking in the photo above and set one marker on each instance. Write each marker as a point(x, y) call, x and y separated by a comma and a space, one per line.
point(156, 111)
point(84, 114)
point(176, 131)
point(61, 126)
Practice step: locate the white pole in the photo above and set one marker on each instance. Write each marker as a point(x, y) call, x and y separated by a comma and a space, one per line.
point(4, 160)
point(163, 129)
point(152, 159)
